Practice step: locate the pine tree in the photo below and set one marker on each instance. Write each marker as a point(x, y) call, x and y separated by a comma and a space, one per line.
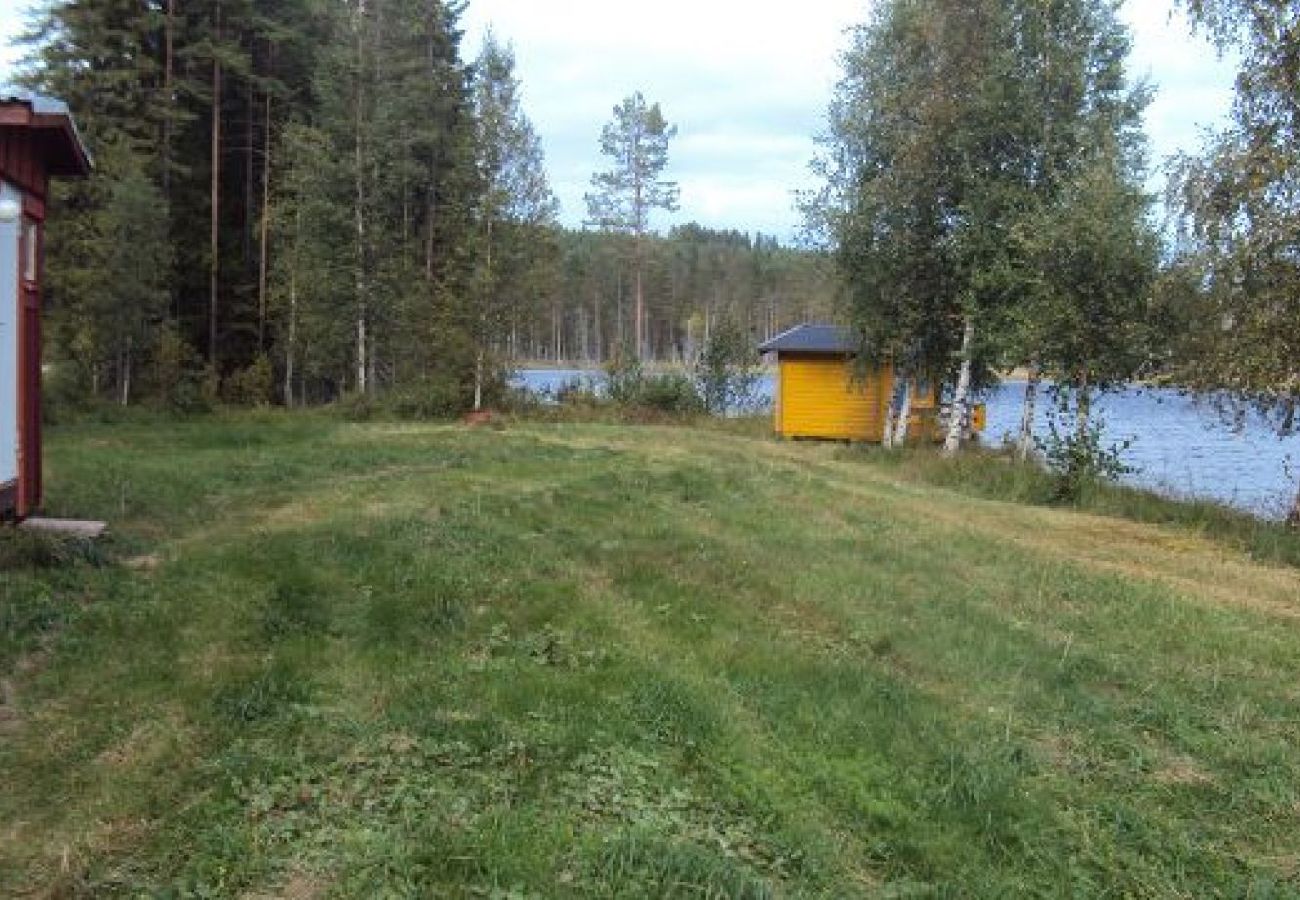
point(636, 141)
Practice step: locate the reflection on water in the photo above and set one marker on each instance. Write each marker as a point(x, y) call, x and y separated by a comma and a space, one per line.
point(1178, 447)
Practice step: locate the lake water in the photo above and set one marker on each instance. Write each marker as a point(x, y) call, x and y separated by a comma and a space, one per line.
point(1178, 447)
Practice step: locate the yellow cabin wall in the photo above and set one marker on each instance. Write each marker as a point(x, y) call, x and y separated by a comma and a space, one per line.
point(819, 397)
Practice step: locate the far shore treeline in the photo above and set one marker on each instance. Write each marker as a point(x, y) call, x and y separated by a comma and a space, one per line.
point(301, 201)
point(297, 200)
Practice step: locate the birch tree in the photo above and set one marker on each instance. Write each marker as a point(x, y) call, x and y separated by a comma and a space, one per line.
point(1240, 224)
point(953, 124)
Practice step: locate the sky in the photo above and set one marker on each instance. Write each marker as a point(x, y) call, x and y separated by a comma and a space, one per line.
point(747, 83)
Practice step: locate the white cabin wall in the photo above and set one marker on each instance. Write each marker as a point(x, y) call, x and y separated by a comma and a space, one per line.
point(9, 231)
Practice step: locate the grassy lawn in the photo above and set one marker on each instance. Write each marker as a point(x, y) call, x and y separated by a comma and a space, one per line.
point(333, 660)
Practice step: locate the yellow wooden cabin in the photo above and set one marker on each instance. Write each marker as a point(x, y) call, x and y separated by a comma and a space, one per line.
point(822, 393)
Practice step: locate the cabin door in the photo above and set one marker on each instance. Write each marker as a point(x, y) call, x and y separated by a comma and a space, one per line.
point(10, 327)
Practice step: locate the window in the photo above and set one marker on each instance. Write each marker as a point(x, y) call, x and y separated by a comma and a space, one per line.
point(31, 250)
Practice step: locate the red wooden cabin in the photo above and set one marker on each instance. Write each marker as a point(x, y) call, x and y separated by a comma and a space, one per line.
point(38, 141)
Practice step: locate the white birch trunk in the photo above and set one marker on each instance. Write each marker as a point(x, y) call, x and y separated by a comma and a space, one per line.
point(891, 418)
point(904, 414)
point(961, 395)
point(1025, 445)
point(124, 375)
point(1083, 408)
point(478, 380)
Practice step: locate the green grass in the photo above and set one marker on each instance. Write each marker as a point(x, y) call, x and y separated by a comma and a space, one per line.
point(996, 475)
point(321, 659)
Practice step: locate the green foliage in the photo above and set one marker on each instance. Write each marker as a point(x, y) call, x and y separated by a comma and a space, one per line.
point(251, 386)
point(1086, 317)
point(636, 143)
point(624, 377)
point(179, 374)
point(972, 150)
point(627, 384)
point(518, 210)
point(727, 370)
point(430, 399)
point(289, 174)
point(1075, 449)
point(1235, 285)
point(669, 392)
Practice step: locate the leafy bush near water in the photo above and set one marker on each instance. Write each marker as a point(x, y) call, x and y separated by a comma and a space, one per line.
point(722, 379)
point(627, 384)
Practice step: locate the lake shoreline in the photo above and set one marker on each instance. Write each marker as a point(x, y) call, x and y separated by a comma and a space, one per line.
point(1176, 445)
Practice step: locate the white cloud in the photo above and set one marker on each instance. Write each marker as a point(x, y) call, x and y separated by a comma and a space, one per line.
point(1193, 85)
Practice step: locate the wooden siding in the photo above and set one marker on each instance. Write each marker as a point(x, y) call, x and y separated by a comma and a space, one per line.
point(21, 161)
point(820, 398)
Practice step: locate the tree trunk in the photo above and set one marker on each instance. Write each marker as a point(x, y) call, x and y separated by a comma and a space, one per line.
point(249, 180)
point(891, 416)
point(957, 411)
point(478, 380)
point(481, 337)
point(169, 100)
point(359, 213)
point(640, 307)
point(291, 343)
point(214, 201)
point(265, 229)
point(1293, 517)
point(1083, 408)
point(904, 414)
point(291, 339)
point(1025, 445)
point(124, 374)
point(620, 328)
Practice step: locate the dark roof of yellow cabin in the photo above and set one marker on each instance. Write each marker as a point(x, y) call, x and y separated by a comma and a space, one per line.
point(814, 339)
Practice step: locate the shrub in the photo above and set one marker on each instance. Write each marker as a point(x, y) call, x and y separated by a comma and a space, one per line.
point(624, 378)
point(180, 375)
point(727, 370)
point(356, 407)
point(430, 399)
point(671, 393)
point(576, 392)
point(1075, 453)
point(252, 386)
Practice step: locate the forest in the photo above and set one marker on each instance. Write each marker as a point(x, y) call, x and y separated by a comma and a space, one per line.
point(299, 200)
